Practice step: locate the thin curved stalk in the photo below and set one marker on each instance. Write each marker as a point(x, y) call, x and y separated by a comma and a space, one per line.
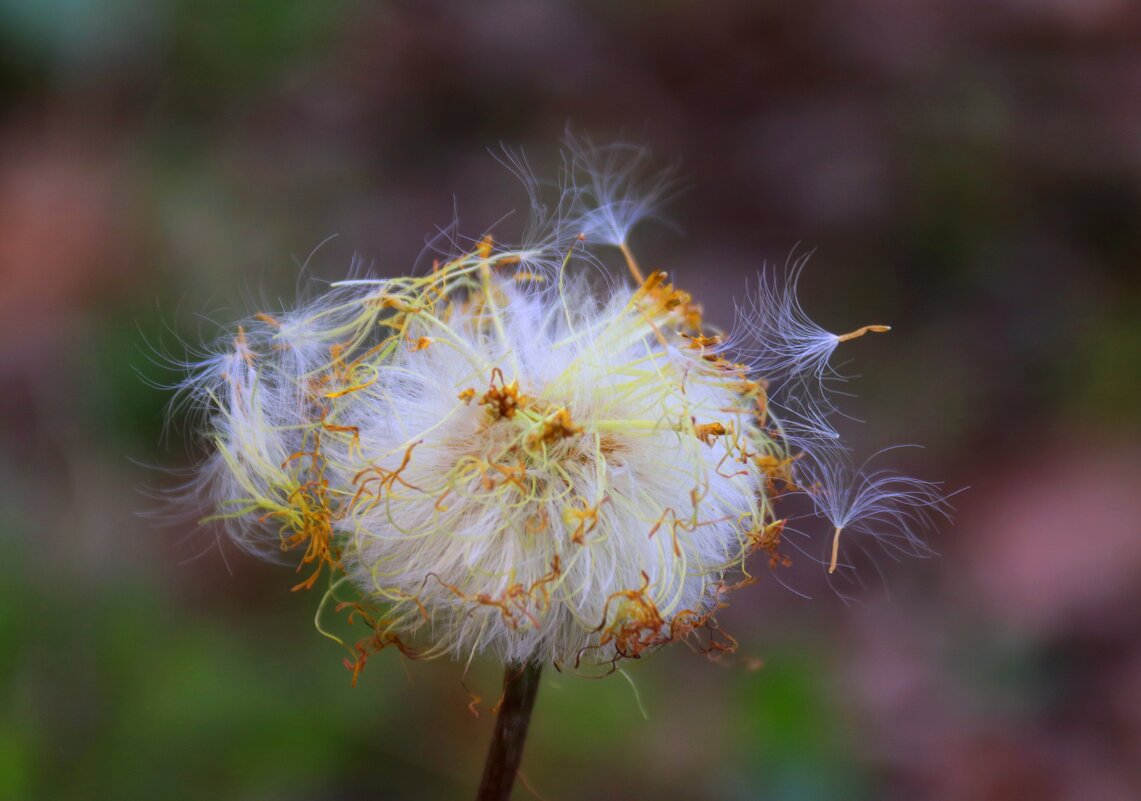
point(520, 685)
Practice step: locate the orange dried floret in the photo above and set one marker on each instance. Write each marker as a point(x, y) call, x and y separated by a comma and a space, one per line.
point(776, 469)
point(637, 624)
point(708, 432)
point(768, 538)
point(558, 426)
point(504, 400)
point(586, 517)
point(309, 522)
point(383, 478)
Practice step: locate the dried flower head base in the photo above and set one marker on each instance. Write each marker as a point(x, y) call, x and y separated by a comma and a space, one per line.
point(515, 454)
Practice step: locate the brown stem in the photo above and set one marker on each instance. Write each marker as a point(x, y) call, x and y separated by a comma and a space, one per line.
point(520, 684)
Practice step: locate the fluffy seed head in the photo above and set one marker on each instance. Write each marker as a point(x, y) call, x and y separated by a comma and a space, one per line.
point(500, 456)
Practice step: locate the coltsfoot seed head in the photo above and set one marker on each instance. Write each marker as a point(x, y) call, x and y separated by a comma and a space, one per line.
point(501, 456)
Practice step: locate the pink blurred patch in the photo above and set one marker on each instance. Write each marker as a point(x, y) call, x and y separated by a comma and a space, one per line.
point(1057, 538)
point(63, 227)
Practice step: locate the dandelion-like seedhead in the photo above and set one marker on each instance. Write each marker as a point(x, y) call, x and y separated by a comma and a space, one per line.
point(504, 456)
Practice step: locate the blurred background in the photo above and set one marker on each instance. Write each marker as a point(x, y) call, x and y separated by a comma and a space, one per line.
point(968, 172)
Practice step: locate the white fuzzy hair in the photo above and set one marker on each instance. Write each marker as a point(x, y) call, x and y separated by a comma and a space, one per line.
point(502, 457)
point(887, 507)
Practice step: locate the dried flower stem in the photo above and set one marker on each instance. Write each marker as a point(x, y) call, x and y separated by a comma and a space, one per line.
point(520, 685)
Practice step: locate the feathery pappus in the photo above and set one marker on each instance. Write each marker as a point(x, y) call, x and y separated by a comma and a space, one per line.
point(511, 455)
